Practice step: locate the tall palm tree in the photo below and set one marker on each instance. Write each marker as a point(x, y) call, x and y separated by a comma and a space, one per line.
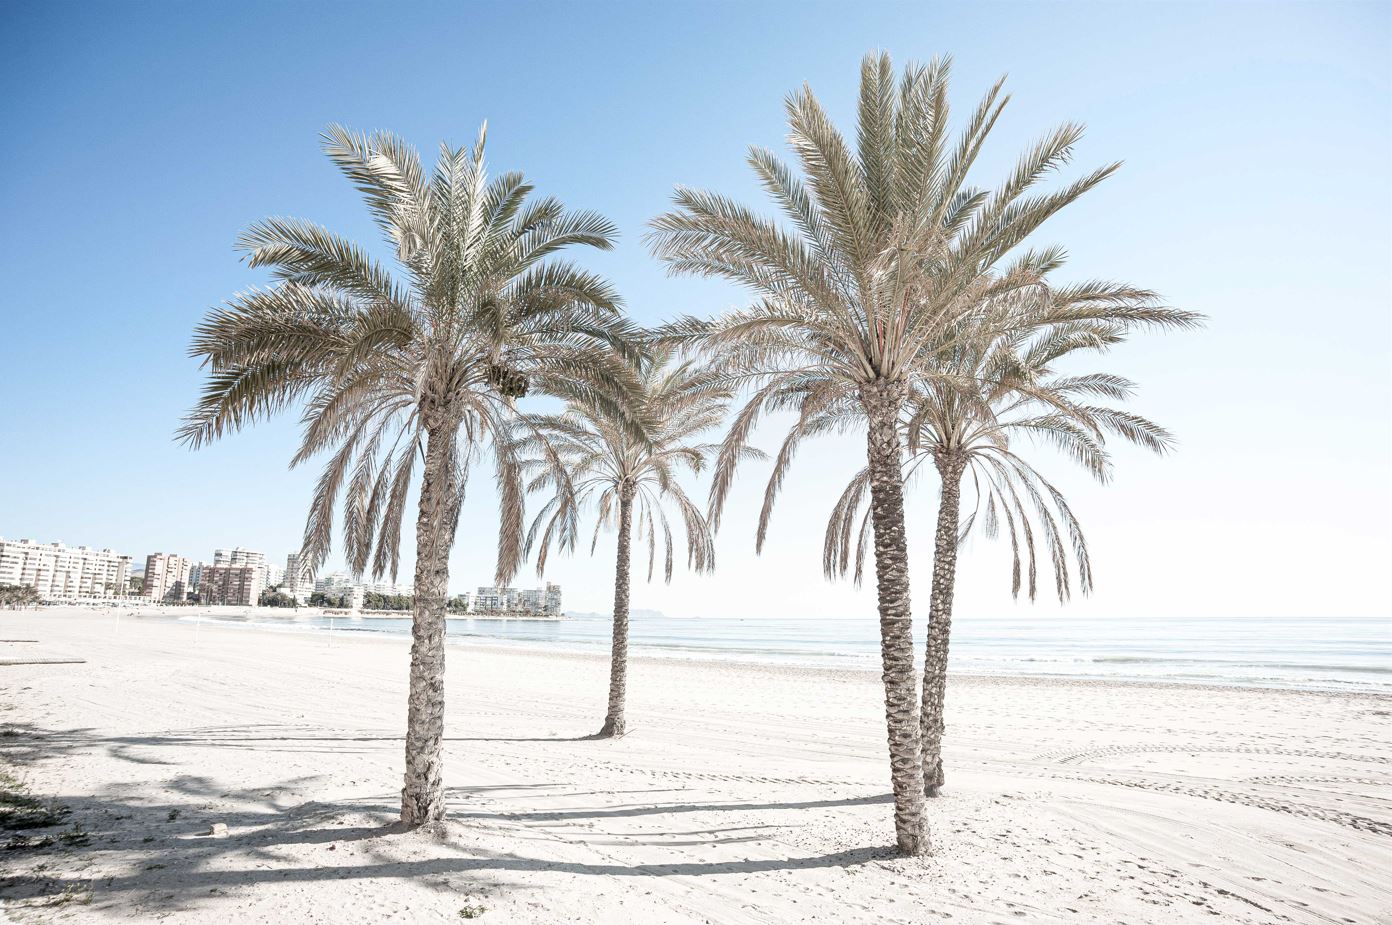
point(425, 365)
point(881, 248)
point(588, 455)
point(995, 385)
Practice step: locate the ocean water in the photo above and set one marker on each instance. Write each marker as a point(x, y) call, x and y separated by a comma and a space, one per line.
point(1338, 654)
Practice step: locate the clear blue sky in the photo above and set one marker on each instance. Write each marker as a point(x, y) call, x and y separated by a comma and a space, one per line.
point(139, 138)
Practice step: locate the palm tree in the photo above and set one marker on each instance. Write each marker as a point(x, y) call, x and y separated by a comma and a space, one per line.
point(423, 366)
point(15, 596)
point(588, 455)
point(883, 247)
point(997, 382)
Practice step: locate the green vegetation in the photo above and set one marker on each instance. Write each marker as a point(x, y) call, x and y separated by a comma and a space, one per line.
point(372, 600)
point(22, 813)
point(21, 810)
point(18, 596)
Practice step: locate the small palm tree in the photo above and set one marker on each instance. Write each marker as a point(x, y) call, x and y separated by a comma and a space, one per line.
point(882, 248)
point(15, 596)
point(422, 367)
point(588, 455)
point(996, 384)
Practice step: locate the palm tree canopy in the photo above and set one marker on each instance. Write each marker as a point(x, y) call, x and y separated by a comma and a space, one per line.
point(476, 311)
point(882, 248)
point(992, 386)
point(586, 456)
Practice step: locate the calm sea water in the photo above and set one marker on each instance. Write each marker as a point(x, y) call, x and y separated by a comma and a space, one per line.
point(1346, 654)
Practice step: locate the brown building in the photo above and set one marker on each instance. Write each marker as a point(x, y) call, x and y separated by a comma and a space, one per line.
point(238, 585)
point(166, 577)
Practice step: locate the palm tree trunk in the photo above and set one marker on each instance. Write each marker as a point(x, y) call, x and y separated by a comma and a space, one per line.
point(614, 724)
point(423, 796)
point(882, 401)
point(940, 622)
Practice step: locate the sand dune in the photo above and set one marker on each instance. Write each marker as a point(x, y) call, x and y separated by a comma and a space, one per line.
point(742, 793)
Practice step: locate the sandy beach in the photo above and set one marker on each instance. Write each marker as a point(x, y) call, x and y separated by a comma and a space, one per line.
point(743, 793)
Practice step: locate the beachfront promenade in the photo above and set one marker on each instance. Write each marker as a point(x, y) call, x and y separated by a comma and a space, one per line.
point(741, 794)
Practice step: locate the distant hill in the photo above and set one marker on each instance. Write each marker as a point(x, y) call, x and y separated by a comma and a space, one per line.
point(637, 613)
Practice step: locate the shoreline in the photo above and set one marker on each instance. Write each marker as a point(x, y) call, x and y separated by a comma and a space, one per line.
point(406, 615)
point(487, 645)
point(736, 656)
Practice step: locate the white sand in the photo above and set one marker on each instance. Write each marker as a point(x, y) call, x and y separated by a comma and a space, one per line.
point(742, 794)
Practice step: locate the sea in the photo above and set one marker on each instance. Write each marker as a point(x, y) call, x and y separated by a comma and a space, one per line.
point(1328, 654)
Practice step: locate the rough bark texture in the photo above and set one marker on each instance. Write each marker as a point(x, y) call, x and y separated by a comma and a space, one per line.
point(940, 622)
point(882, 401)
point(614, 724)
point(423, 796)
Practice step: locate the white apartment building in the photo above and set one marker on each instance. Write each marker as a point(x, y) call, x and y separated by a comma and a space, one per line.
point(340, 582)
point(240, 557)
point(386, 587)
point(333, 583)
point(167, 577)
point(196, 575)
point(61, 572)
point(298, 581)
point(538, 600)
point(545, 600)
point(491, 599)
point(530, 601)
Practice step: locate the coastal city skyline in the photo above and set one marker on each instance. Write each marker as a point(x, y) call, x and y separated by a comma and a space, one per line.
point(234, 576)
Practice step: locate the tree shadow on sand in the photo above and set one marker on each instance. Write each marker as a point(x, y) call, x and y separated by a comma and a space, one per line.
point(22, 743)
point(152, 856)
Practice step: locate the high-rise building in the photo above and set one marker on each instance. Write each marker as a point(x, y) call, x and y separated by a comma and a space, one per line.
point(238, 585)
point(553, 599)
point(333, 583)
point(61, 572)
point(274, 575)
point(240, 556)
point(196, 575)
point(167, 577)
point(299, 579)
point(529, 600)
point(489, 600)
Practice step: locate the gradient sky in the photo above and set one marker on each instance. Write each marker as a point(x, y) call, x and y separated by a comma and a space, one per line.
point(140, 138)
